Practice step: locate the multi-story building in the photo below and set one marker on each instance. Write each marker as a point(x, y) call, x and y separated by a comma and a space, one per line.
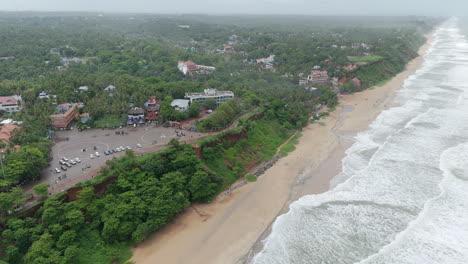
point(66, 113)
point(187, 67)
point(10, 104)
point(219, 96)
point(136, 116)
point(152, 109)
point(180, 104)
point(318, 77)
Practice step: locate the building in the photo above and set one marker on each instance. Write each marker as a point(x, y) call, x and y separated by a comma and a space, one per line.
point(10, 104)
point(152, 109)
point(349, 67)
point(136, 115)
point(66, 113)
point(180, 104)
point(356, 82)
point(303, 82)
point(318, 77)
point(228, 49)
point(335, 81)
point(269, 59)
point(187, 66)
point(7, 132)
point(109, 88)
point(44, 95)
point(85, 117)
point(219, 96)
point(83, 88)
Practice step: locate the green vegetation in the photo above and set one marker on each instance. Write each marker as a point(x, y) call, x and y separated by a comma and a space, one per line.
point(109, 121)
point(222, 117)
point(251, 178)
point(367, 59)
point(148, 191)
point(139, 57)
point(291, 145)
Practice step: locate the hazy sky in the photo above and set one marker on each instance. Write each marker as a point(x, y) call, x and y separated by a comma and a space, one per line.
point(353, 7)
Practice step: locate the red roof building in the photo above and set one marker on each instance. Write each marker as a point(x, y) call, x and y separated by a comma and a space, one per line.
point(318, 77)
point(152, 109)
point(7, 132)
point(63, 120)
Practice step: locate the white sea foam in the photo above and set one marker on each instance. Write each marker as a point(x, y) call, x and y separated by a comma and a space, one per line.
point(402, 196)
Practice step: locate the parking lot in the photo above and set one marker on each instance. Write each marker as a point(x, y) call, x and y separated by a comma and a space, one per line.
point(73, 144)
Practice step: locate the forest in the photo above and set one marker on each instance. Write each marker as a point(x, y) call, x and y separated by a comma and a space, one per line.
point(138, 55)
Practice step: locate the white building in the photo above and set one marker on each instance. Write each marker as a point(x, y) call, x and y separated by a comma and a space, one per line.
point(10, 104)
point(109, 88)
point(44, 95)
point(83, 88)
point(180, 104)
point(219, 96)
point(269, 59)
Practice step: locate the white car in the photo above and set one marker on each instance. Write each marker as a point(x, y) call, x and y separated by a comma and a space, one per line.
point(57, 170)
point(97, 154)
point(78, 160)
point(73, 162)
point(64, 159)
point(129, 148)
point(139, 145)
point(91, 156)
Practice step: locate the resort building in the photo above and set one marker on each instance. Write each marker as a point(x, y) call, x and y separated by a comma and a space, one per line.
point(318, 77)
point(180, 104)
point(66, 113)
point(187, 67)
point(136, 116)
point(10, 104)
point(219, 96)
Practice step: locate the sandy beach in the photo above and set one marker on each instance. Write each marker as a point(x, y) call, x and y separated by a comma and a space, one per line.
point(230, 230)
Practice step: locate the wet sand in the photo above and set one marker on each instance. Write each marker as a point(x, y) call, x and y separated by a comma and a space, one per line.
point(230, 230)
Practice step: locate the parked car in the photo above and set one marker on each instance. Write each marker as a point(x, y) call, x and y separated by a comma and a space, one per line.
point(139, 145)
point(57, 170)
point(61, 162)
point(129, 148)
point(73, 162)
point(63, 168)
point(91, 156)
point(78, 160)
point(97, 154)
point(64, 159)
point(68, 165)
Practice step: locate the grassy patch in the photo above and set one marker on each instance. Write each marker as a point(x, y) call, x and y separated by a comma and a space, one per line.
point(92, 249)
point(382, 83)
point(291, 145)
point(231, 161)
point(251, 178)
point(109, 121)
point(367, 59)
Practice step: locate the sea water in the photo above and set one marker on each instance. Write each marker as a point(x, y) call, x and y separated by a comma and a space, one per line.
point(402, 196)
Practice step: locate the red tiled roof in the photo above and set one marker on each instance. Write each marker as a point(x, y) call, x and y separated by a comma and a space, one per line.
point(7, 100)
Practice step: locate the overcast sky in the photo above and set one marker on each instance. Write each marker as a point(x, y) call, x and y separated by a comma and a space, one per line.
point(312, 7)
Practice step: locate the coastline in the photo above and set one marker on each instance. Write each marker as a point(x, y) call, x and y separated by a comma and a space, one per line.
point(230, 230)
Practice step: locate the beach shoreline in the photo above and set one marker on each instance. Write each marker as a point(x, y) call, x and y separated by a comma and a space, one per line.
point(231, 229)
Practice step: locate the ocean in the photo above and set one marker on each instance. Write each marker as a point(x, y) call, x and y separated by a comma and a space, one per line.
point(402, 196)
